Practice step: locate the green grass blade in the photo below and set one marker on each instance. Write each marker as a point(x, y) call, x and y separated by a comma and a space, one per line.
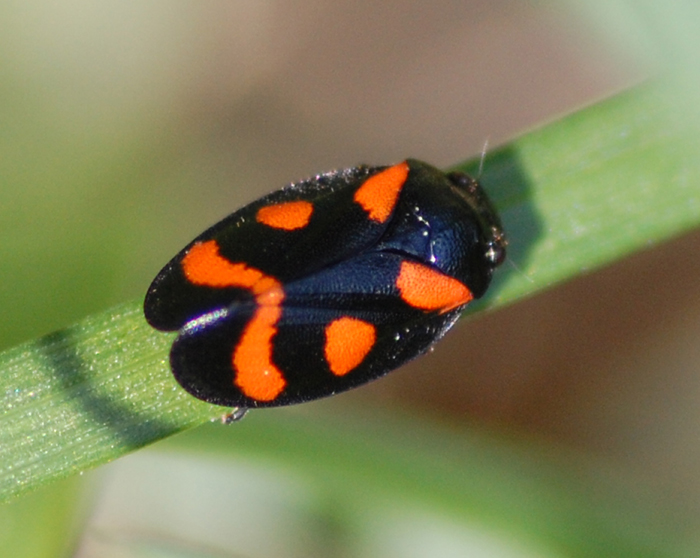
point(614, 178)
point(587, 190)
point(86, 395)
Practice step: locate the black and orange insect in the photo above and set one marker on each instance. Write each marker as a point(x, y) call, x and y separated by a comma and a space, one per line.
point(325, 284)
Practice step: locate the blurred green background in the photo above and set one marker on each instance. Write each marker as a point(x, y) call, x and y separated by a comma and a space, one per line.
point(129, 127)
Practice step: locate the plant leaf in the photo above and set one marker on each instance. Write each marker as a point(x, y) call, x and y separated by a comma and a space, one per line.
point(591, 188)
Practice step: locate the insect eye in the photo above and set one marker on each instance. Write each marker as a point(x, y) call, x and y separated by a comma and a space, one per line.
point(495, 252)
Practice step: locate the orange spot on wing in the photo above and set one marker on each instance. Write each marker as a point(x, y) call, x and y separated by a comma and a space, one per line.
point(203, 265)
point(288, 215)
point(348, 340)
point(256, 374)
point(379, 193)
point(425, 288)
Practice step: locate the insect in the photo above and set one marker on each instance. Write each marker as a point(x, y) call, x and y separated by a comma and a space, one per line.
point(325, 284)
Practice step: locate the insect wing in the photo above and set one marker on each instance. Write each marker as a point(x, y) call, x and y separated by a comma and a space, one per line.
point(333, 331)
point(284, 236)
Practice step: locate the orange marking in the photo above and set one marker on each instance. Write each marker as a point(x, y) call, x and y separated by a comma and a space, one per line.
point(379, 193)
point(427, 289)
point(348, 340)
point(288, 215)
point(203, 265)
point(257, 376)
